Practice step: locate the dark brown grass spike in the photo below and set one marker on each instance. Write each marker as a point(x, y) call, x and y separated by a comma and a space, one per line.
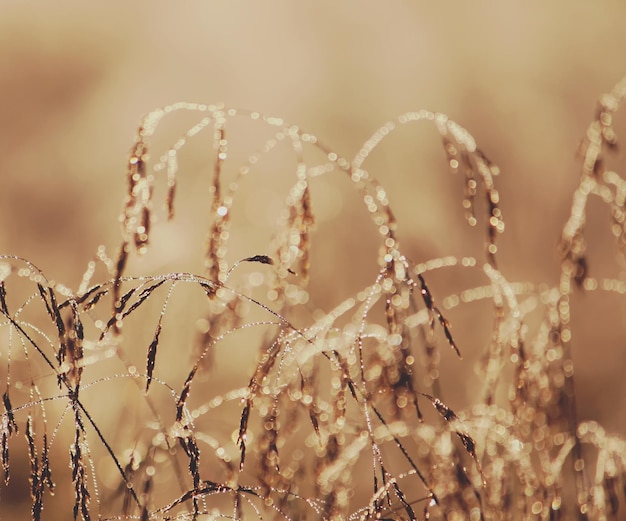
point(407, 507)
point(214, 256)
point(119, 303)
point(269, 459)
point(44, 298)
point(180, 405)
point(243, 427)
point(120, 266)
point(5, 457)
point(143, 295)
point(46, 473)
point(193, 452)
point(120, 314)
point(91, 297)
point(313, 412)
point(447, 331)
point(79, 478)
point(152, 349)
point(3, 298)
point(35, 478)
point(208, 287)
point(137, 208)
point(50, 301)
point(11, 426)
point(429, 301)
point(450, 416)
point(263, 259)
point(72, 349)
point(151, 356)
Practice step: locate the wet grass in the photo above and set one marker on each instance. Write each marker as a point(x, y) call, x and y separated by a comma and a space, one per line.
point(246, 401)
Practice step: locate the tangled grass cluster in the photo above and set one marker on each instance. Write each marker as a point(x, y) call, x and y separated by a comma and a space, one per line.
point(343, 415)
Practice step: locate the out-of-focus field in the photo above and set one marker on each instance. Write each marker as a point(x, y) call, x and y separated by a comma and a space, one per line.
point(76, 77)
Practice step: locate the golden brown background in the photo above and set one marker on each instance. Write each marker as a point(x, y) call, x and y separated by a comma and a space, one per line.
point(76, 77)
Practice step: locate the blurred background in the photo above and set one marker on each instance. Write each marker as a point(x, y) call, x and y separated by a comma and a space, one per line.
point(76, 78)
